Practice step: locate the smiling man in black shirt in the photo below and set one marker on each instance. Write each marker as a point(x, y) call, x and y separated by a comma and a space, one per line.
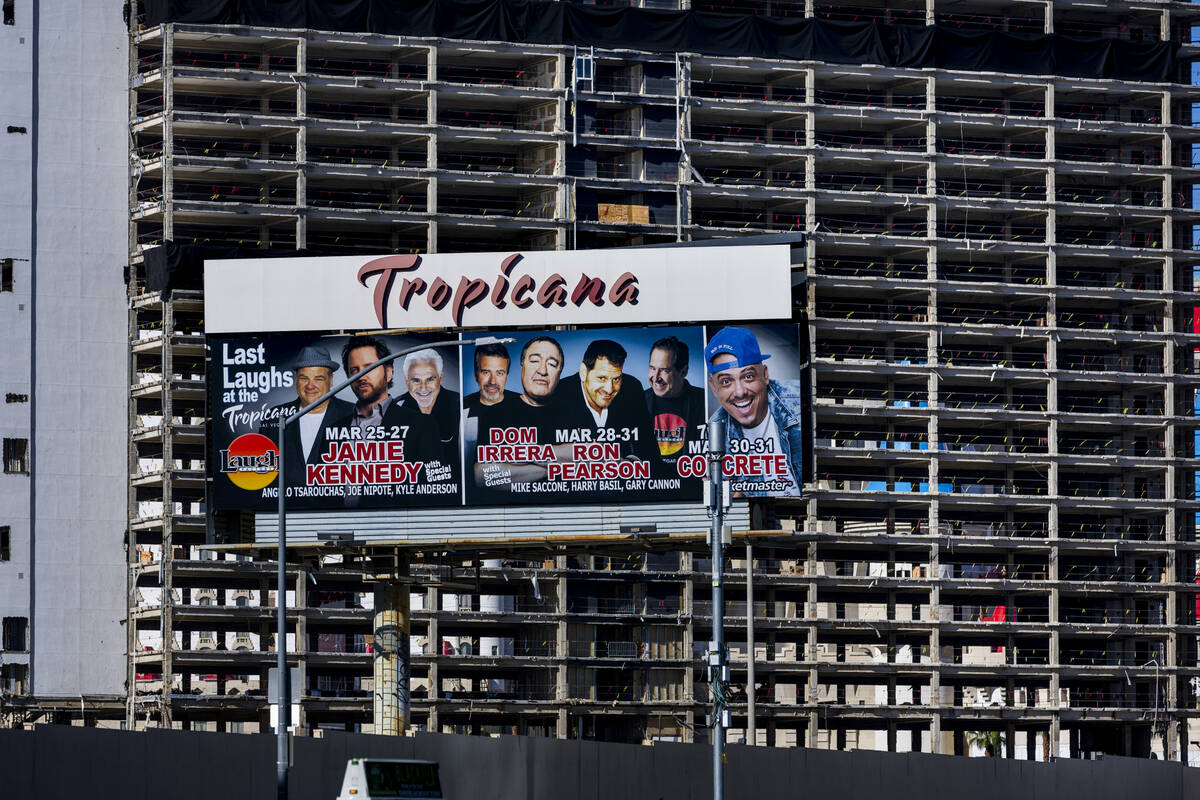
point(676, 407)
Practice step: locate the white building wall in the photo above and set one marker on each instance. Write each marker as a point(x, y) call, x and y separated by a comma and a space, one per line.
point(78, 364)
point(15, 111)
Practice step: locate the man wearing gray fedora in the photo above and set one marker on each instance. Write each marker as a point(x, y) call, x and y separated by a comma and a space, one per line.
point(306, 440)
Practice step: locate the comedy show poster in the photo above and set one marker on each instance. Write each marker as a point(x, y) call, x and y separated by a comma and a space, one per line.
point(611, 414)
point(585, 415)
point(389, 439)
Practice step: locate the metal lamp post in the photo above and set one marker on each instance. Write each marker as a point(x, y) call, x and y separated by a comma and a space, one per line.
point(717, 666)
point(283, 696)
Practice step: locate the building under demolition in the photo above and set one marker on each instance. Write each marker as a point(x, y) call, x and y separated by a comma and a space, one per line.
point(998, 548)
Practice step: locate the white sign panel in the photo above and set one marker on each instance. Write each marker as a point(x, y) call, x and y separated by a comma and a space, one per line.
point(576, 287)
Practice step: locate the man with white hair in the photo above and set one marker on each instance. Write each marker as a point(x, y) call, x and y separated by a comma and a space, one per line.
point(424, 372)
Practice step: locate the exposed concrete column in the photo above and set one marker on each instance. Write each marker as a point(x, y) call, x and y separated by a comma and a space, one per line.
point(1168, 231)
point(1048, 6)
point(931, 129)
point(564, 190)
point(689, 639)
point(562, 721)
point(391, 663)
point(935, 638)
point(167, 556)
point(168, 142)
point(931, 432)
point(932, 387)
point(433, 648)
point(811, 693)
point(300, 647)
point(810, 99)
point(562, 687)
point(431, 151)
point(133, 559)
point(1170, 733)
point(301, 144)
point(1053, 610)
point(1050, 113)
point(810, 220)
point(1052, 396)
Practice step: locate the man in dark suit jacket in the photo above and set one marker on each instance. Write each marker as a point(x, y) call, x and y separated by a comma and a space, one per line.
point(601, 396)
point(376, 408)
point(306, 438)
point(424, 373)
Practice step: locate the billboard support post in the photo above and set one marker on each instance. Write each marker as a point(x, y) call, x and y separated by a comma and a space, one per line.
point(751, 731)
point(281, 733)
point(717, 666)
point(285, 689)
point(391, 658)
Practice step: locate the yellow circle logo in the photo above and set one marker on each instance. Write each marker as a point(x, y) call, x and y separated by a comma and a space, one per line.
point(251, 462)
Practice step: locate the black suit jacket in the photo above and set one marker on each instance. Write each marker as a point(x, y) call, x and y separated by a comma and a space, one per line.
point(627, 410)
point(420, 437)
point(419, 433)
point(293, 451)
point(445, 418)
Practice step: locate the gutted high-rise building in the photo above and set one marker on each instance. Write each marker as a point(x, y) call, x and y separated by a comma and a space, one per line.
point(997, 551)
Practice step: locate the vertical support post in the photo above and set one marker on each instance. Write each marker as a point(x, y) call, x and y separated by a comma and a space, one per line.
point(573, 97)
point(392, 627)
point(716, 658)
point(284, 696)
point(751, 731)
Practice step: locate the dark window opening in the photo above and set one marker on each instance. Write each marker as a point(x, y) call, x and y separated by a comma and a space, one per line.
point(14, 397)
point(16, 456)
point(13, 678)
point(5, 546)
point(15, 634)
point(10, 12)
point(17, 129)
point(6, 274)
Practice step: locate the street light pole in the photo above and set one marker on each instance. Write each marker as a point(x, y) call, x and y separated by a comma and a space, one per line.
point(284, 694)
point(717, 668)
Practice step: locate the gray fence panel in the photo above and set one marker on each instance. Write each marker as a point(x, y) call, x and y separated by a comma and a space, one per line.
point(18, 763)
point(751, 772)
point(681, 772)
point(554, 768)
point(62, 761)
point(1190, 786)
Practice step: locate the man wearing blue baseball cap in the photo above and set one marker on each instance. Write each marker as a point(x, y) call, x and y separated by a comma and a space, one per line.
point(762, 412)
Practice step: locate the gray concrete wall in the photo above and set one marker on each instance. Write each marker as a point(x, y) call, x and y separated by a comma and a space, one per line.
point(16, 109)
point(61, 761)
point(81, 402)
point(72, 291)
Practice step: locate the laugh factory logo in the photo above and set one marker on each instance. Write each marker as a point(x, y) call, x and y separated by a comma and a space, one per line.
point(251, 462)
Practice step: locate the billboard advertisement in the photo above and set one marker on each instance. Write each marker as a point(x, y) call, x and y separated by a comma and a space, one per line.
point(591, 415)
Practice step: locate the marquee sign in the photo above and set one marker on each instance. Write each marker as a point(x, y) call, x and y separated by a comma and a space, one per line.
point(578, 287)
